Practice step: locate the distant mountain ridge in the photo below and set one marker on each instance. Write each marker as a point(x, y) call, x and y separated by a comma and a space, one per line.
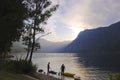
point(103, 39)
point(52, 47)
point(98, 47)
point(46, 46)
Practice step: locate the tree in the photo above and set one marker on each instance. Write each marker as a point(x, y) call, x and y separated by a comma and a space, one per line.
point(12, 14)
point(39, 13)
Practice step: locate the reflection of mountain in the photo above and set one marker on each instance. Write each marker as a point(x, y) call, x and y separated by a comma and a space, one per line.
point(104, 39)
point(46, 46)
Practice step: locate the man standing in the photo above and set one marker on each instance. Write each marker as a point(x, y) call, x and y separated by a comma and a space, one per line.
point(62, 68)
point(48, 67)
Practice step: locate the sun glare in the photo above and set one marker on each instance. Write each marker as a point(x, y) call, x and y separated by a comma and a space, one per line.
point(76, 31)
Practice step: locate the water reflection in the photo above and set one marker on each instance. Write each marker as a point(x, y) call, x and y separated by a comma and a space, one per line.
point(73, 64)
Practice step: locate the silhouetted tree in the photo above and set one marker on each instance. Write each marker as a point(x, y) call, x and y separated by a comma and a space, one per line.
point(39, 12)
point(26, 37)
point(12, 14)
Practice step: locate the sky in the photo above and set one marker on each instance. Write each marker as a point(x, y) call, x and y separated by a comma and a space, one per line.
point(74, 16)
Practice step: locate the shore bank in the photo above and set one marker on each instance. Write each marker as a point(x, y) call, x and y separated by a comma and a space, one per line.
point(41, 76)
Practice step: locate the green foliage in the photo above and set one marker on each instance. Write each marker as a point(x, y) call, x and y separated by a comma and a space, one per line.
point(20, 66)
point(39, 11)
point(12, 76)
point(114, 77)
point(12, 14)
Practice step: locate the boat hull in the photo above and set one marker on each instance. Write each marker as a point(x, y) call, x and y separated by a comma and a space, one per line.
point(68, 74)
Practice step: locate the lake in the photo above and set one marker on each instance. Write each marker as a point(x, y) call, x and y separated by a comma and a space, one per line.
point(73, 63)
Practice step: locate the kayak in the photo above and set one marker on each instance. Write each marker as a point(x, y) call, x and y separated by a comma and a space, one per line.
point(52, 72)
point(68, 74)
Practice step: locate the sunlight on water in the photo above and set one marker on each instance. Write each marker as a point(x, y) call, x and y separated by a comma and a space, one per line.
point(72, 64)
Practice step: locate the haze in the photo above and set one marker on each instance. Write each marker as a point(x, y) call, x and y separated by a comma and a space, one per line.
point(74, 16)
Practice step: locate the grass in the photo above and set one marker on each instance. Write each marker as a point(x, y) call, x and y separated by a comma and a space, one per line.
point(18, 66)
point(14, 69)
point(12, 76)
point(114, 77)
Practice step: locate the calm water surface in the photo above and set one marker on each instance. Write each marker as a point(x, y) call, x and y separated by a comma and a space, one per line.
point(72, 63)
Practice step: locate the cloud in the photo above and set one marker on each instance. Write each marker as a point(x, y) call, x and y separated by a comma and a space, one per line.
point(104, 12)
point(60, 2)
point(78, 14)
point(91, 13)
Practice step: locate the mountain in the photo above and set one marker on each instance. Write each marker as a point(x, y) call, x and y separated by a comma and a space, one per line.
point(46, 46)
point(103, 39)
point(18, 47)
point(98, 47)
point(51, 47)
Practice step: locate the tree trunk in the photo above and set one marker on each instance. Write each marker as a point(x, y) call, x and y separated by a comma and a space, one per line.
point(28, 51)
point(33, 44)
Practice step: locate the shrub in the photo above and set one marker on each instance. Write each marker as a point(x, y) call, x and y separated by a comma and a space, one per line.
point(20, 66)
point(114, 77)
